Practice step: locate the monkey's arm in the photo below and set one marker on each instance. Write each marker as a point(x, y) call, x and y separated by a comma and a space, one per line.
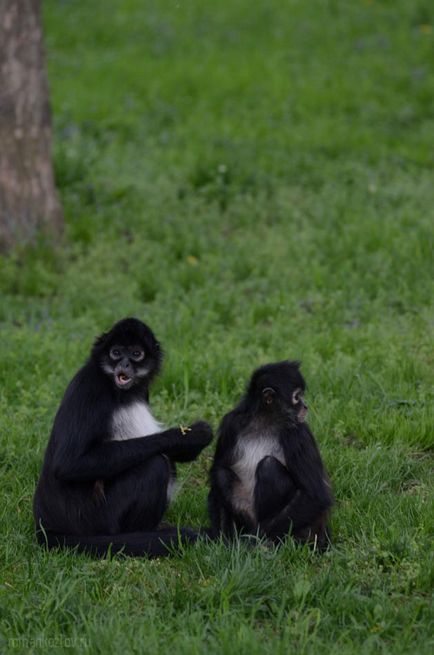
point(223, 478)
point(225, 517)
point(219, 514)
point(107, 459)
point(191, 443)
point(313, 497)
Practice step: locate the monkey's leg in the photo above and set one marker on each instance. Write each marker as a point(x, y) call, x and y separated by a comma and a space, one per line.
point(126, 517)
point(137, 499)
point(274, 488)
point(318, 535)
point(299, 517)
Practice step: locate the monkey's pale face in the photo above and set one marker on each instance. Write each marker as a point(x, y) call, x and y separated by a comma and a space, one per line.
point(295, 406)
point(300, 407)
point(126, 365)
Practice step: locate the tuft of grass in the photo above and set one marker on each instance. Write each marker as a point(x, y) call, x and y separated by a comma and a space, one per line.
point(255, 181)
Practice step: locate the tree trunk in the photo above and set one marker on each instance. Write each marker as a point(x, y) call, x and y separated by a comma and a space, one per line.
point(28, 198)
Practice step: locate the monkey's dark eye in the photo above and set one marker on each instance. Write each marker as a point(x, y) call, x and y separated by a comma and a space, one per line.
point(115, 353)
point(268, 395)
point(296, 396)
point(138, 355)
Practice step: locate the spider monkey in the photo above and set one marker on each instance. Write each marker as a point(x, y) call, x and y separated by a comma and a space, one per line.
point(267, 476)
point(110, 466)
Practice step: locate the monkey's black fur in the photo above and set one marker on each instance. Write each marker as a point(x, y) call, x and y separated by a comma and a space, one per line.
point(104, 485)
point(267, 477)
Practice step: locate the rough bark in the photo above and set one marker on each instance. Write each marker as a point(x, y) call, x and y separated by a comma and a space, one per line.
point(28, 198)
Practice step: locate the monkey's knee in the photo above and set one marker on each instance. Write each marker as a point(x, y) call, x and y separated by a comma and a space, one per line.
point(148, 480)
point(161, 466)
point(274, 487)
point(143, 497)
point(269, 467)
point(157, 468)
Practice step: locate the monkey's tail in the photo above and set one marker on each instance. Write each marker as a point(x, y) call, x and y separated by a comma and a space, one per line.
point(158, 543)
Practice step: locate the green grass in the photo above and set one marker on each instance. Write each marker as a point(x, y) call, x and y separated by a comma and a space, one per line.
point(255, 180)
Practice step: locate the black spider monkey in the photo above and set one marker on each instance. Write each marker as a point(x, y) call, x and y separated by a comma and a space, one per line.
point(267, 477)
point(109, 465)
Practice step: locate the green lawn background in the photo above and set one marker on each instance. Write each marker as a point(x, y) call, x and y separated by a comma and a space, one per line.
point(255, 180)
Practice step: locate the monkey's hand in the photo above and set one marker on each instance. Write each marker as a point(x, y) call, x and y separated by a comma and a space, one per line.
point(191, 442)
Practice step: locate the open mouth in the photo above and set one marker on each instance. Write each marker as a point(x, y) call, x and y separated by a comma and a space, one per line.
point(123, 380)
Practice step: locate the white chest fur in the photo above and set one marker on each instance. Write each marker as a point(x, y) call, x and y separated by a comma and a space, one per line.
point(134, 421)
point(250, 450)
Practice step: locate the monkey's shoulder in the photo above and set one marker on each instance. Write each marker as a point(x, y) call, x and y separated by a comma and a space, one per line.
point(87, 387)
point(84, 408)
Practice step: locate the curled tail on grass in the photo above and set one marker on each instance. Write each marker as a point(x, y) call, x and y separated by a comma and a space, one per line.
point(158, 543)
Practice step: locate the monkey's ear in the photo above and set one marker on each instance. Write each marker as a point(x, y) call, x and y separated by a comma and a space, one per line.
point(268, 395)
